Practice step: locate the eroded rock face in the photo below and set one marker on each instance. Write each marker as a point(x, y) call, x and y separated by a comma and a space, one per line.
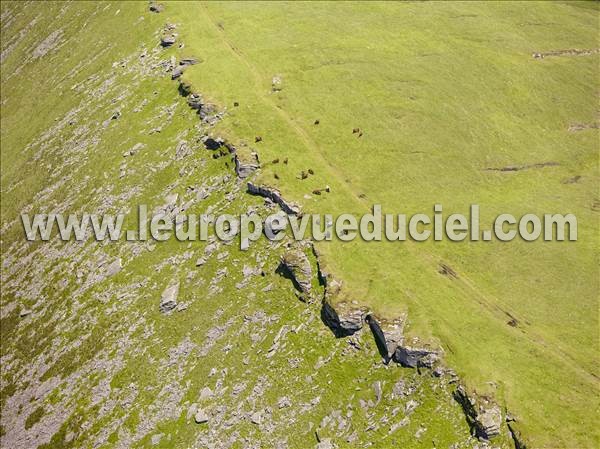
point(297, 266)
point(342, 323)
point(379, 337)
point(489, 422)
point(484, 417)
point(414, 357)
point(274, 195)
point(180, 68)
point(388, 335)
point(245, 168)
point(195, 101)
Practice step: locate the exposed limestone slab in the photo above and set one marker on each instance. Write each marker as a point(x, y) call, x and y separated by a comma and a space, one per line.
point(414, 357)
point(168, 300)
point(274, 195)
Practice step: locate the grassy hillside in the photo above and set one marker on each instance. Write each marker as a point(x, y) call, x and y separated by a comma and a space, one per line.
point(88, 358)
point(440, 91)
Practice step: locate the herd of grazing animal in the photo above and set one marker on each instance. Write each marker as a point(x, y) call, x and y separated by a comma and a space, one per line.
point(310, 171)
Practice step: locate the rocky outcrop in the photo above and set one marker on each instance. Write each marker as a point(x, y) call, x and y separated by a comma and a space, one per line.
point(166, 40)
point(297, 267)
point(208, 112)
point(516, 435)
point(341, 320)
point(390, 342)
point(387, 335)
point(274, 195)
point(379, 337)
point(415, 357)
point(484, 417)
point(244, 167)
point(180, 68)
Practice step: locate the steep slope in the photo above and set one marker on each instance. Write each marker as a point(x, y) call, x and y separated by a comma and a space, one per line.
point(444, 93)
point(166, 344)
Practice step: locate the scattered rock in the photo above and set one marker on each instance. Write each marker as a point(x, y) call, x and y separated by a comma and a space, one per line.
point(201, 416)
point(156, 7)
point(568, 52)
point(188, 61)
point(583, 126)
point(167, 40)
point(325, 444)
point(489, 422)
point(377, 390)
point(134, 150)
point(205, 394)
point(182, 150)
point(114, 267)
point(277, 83)
point(572, 180)
point(48, 44)
point(284, 402)
point(256, 418)
point(168, 299)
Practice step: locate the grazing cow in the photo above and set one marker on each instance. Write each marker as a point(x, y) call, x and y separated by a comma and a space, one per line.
point(316, 192)
point(285, 161)
point(235, 104)
point(275, 175)
point(310, 171)
point(355, 130)
point(257, 139)
point(275, 161)
point(360, 134)
point(317, 122)
point(303, 175)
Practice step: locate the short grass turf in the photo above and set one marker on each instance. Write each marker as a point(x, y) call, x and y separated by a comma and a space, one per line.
point(441, 91)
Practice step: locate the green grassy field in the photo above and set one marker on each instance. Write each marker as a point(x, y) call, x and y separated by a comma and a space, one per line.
point(441, 91)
